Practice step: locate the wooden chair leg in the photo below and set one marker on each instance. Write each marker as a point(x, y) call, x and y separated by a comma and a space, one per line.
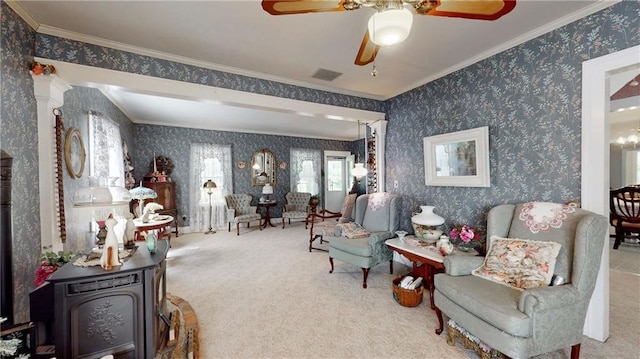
point(575, 351)
point(260, 223)
point(229, 226)
point(391, 266)
point(283, 223)
point(619, 235)
point(331, 261)
point(440, 321)
point(365, 274)
point(238, 229)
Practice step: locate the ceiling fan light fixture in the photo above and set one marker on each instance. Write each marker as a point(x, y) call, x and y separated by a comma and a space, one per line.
point(390, 27)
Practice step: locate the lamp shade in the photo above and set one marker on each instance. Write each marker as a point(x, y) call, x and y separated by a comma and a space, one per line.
point(142, 193)
point(92, 195)
point(390, 27)
point(209, 185)
point(359, 170)
point(267, 189)
point(427, 218)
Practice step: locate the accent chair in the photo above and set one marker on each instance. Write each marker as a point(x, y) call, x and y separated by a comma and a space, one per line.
point(297, 207)
point(324, 222)
point(240, 210)
point(530, 294)
point(362, 243)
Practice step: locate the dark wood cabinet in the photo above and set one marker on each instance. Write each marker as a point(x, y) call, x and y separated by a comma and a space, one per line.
point(167, 198)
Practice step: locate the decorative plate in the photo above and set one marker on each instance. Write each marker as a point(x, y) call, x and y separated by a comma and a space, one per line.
point(241, 164)
point(283, 165)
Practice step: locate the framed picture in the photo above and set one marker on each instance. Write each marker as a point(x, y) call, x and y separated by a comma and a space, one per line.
point(458, 159)
point(74, 154)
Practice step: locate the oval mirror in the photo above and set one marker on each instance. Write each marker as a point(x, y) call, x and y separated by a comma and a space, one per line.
point(263, 168)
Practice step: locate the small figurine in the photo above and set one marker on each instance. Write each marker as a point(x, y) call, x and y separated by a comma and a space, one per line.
point(129, 232)
point(110, 256)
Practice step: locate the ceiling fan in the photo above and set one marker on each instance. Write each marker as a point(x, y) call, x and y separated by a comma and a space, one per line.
point(391, 23)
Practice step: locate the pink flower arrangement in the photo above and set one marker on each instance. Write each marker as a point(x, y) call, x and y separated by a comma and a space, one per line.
point(465, 233)
point(51, 261)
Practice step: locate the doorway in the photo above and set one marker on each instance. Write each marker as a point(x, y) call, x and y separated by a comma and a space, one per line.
point(595, 167)
point(337, 179)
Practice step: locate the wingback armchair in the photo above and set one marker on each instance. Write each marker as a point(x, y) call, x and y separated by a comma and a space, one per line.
point(240, 210)
point(297, 207)
point(362, 243)
point(523, 315)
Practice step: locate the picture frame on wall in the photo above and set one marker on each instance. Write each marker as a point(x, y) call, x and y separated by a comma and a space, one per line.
point(459, 159)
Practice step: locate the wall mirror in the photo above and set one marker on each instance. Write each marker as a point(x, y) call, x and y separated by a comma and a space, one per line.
point(263, 168)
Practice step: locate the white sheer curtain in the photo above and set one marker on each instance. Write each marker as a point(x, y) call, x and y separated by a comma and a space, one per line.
point(105, 149)
point(209, 162)
point(306, 165)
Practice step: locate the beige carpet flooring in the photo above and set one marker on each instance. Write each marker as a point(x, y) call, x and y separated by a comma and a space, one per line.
point(263, 295)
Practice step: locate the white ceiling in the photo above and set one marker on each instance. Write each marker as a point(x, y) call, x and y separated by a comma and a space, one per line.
point(240, 37)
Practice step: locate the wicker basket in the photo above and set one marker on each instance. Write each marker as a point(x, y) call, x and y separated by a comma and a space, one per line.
point(407, 297)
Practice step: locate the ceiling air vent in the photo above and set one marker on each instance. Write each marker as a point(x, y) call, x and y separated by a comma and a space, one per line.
point(327, 75)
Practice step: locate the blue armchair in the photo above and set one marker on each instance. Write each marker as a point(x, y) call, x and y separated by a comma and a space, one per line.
point(523, 315)
point(376, 219)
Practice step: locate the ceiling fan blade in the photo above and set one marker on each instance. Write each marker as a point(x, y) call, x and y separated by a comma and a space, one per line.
point(367, 52)
point(288, 7)
point(470, 9)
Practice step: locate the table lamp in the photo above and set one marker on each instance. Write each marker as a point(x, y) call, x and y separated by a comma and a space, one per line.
point(429, 220)
point(210, 186)
point(267, 189)
point(141, 193)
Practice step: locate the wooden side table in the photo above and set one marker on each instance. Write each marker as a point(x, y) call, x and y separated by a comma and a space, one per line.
point(432, 262)
point(160, 225)
point(267, 212)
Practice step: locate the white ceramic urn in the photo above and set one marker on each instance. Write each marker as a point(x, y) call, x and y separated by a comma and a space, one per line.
point(425, 223)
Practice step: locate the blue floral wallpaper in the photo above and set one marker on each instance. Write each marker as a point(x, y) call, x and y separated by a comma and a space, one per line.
point(174, 142)
point(19, 138)
point(529, 96)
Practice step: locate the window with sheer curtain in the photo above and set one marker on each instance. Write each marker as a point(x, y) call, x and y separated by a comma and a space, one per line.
point(105, 150)
point(306, 165)
point(209, 162)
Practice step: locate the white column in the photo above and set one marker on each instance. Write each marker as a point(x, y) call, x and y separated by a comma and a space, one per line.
point(379, 128)
point(49, 92)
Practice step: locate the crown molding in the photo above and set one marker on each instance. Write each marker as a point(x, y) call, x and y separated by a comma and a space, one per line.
point(15, 6)
point(54, 31)
point(600, 5)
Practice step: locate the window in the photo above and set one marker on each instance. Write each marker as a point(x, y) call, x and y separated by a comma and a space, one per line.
point(105, 150)
point(305, 170)
point(209, 162)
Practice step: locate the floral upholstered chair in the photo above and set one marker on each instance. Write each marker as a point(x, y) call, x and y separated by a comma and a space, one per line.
point(361, 243)
point(530, 294)
point(240, 210)
point(297, 207)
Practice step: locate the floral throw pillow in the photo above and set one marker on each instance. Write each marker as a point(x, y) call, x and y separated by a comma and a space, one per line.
point(519, 263)
point(347, 208)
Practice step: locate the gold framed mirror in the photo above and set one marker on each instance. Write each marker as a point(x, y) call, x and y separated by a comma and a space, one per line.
point(74, 154)
point(263, 168)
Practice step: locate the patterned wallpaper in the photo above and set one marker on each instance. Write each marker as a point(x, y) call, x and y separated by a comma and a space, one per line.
point(75, 112)
point(19, 138)
point(173, 142)
point(530, 97)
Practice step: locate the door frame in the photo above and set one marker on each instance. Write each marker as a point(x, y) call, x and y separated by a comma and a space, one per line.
point(325, 156)
point(595, 168)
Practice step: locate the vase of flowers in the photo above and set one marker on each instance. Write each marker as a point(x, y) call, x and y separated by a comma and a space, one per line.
point(51, 261)
point(464, 235)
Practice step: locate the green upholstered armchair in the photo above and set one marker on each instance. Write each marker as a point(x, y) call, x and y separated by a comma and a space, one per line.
point(521, 323)
point(297, 207)
point(379, 215)
point(240, 210)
